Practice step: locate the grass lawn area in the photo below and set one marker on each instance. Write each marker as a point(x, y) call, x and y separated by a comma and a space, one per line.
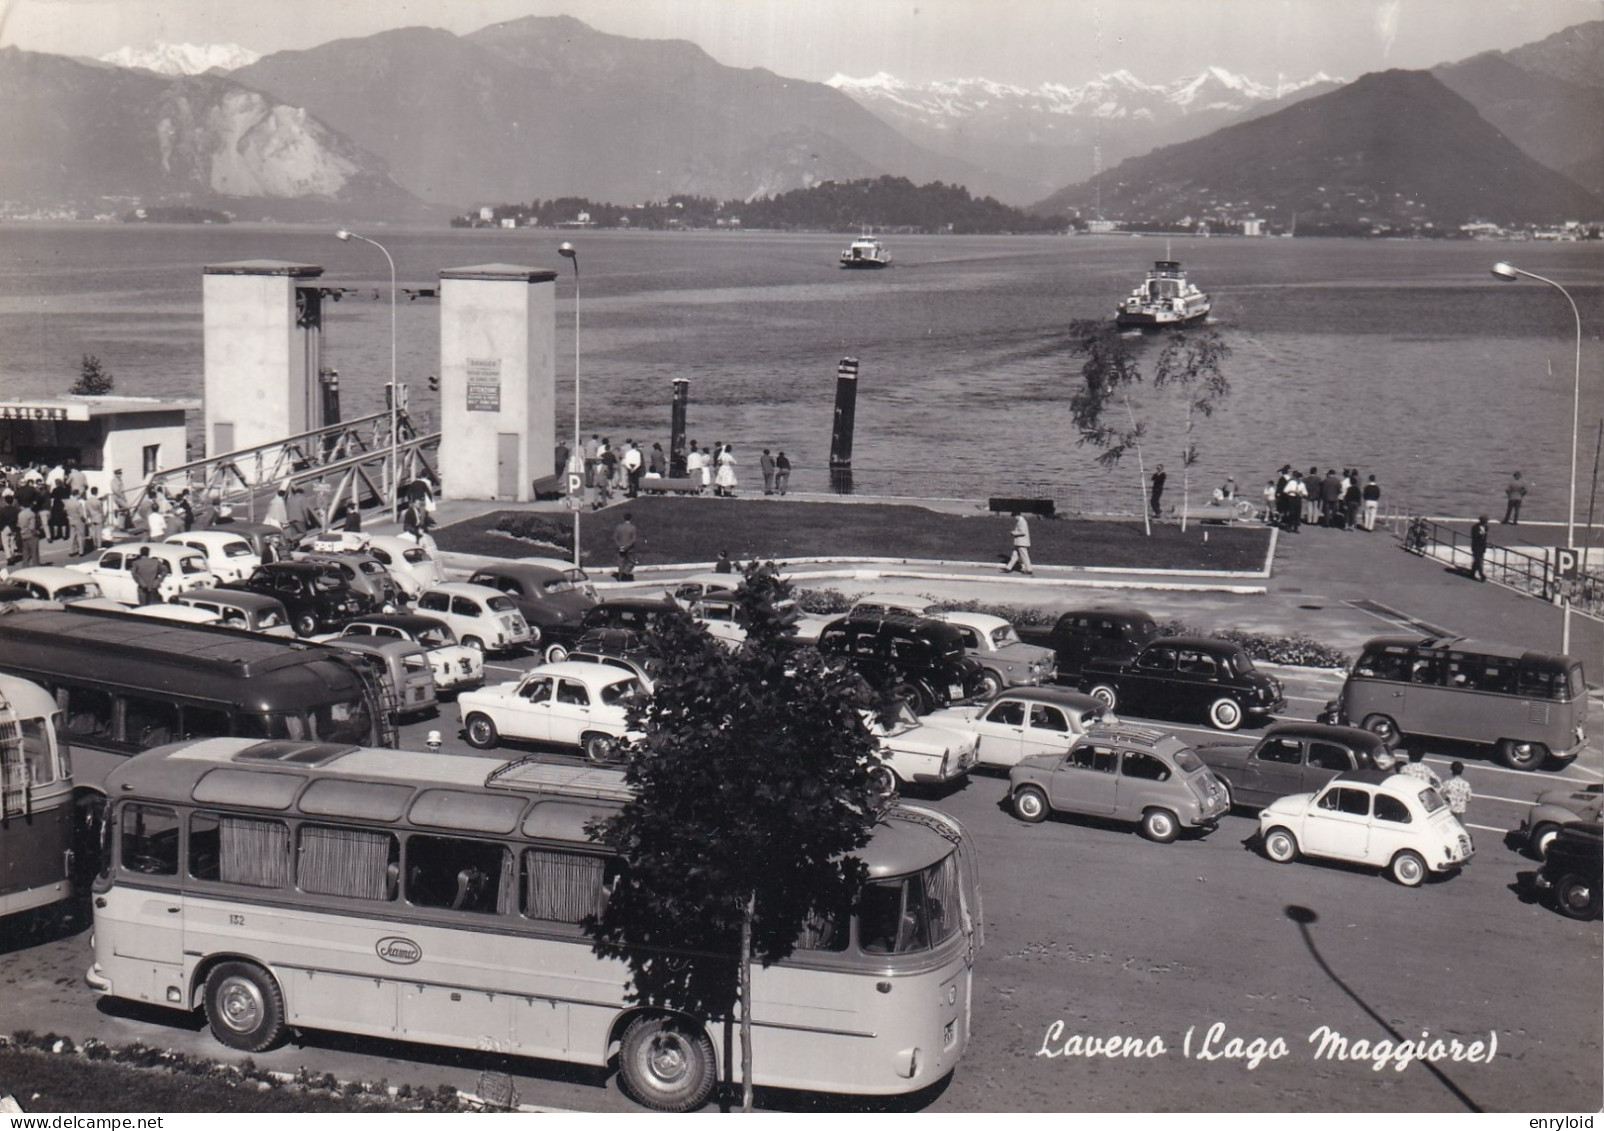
point(688, 530)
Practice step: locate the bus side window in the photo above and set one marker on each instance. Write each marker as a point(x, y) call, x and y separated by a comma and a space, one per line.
point(91, 713)
point(459, 874)
point(239, 850)
point(353, 863)
point(205, 722)
point(148, 722)
point(563, 887)
point(149, 840)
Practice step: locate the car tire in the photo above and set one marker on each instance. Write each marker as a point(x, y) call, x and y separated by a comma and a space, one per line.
point(1382, 727)
point(305, 624)
point(555, 653)
point(244, 1007)
point(1280, 845)
point(1521, 755)
point(480, 731)
point(600, 749)
point(1105, 695)
point(990, 684)
point(1408, 869)
point(475, 643)
point(666, 1063)
point(1225, 714)
point(1575, 897)
point(915, 697)
point(1160, 826)
point(1030, 804)
point(1543, 836)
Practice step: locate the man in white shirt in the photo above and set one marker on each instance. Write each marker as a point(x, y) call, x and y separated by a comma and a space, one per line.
point(634, 464)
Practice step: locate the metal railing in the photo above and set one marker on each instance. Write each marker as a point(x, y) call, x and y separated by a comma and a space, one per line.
point(1530, 569)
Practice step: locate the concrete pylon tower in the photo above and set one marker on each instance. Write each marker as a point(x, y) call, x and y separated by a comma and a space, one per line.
point(497, 380)
point(263, 338)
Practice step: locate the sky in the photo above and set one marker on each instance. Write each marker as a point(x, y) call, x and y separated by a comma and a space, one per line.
point(1022, 42)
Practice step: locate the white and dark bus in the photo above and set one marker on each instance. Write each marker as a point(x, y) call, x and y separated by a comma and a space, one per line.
point(124, 684)
point(38, 817)
point(439, 898)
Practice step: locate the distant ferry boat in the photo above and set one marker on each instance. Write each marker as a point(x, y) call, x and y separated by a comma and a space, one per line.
point(866, 251)
point(1165, 298)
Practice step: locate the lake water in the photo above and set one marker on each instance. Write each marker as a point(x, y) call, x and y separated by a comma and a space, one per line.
point(1405, 359)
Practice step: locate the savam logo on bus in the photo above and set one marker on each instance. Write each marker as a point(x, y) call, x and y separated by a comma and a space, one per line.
point(403, 952)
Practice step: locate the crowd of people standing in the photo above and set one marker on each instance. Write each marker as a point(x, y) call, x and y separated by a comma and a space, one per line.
point(1345, 501)
point(610, 469)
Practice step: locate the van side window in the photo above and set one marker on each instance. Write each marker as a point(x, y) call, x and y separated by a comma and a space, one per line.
point(1384, 663)
point(149, 840)
point(1541, 681)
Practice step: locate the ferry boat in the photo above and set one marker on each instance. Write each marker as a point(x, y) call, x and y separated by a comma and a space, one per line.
point(1165, 298)
point(866, 251)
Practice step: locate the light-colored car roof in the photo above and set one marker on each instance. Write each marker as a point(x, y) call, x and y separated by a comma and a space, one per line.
point(187, 613)
point(465, 589)
point(983, 621)
point(585, 671)
point(48, 575)
point(210, 536)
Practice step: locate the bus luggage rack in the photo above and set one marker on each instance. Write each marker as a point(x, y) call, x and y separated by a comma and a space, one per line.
point(526, 775)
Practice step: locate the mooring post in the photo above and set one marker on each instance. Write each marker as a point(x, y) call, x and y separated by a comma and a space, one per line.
point(846, 407)
point(676, 440)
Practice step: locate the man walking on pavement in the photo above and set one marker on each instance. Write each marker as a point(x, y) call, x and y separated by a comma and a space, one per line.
point(1019, 560)
point(1478, 548)
point(1456, 790)
point(766, 466)
point(1158, 489)
point(624, 537)
point(782, 473)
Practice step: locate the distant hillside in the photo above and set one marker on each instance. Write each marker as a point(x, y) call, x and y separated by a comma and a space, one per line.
point(549, 107)
point(1395, 150)
point(1546, 97)
point(78, 134)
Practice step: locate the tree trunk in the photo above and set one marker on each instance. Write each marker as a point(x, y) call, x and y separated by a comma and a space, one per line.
point(746, 1001)
point(1141, 477)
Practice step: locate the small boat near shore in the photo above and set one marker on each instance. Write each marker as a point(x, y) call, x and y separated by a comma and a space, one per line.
point(866, 252)
point(1165, 298)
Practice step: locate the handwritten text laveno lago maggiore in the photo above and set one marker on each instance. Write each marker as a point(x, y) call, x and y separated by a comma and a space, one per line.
point(1216, 1044)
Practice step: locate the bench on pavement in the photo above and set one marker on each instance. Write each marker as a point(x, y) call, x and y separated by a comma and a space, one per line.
point(549, 487)
point(1005, 505)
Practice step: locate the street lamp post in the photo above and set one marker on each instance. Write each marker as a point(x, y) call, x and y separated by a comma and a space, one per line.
point(1509, 273)
point(575, 458)
point(395, 390)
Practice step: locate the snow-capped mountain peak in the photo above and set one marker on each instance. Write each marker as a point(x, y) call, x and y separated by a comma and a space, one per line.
point(183, 58)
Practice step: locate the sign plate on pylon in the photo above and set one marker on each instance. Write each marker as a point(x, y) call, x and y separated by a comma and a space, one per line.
point(576, 483)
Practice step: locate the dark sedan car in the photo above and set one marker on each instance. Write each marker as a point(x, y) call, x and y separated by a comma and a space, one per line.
point(1574, 870)
point(548, 599)
point(922, 660)
point(316, 597)
point(1186, 675)
point(1082, 635)
point(1291, 758)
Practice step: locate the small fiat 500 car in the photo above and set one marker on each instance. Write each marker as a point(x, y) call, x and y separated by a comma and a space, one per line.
point(1006, 660)
point(1291, 758)
point(482, 617)
point(547, 598)
point(1391, 821)
point(916, 751)
point(455, 666)
point(1125, 773)
point(1553, 810)
point(565, 704)
point(1023, 721)
point(229, 556)
point(1186, 676)
point(112, 571)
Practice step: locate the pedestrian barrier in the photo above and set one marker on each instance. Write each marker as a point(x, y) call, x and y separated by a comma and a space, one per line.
point(1530, 569)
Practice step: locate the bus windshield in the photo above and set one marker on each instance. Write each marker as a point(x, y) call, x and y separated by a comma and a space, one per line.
point(911, 913)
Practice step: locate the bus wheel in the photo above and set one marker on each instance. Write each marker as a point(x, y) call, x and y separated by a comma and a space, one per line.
point(480, 731)
point(1521, 755)
point(666, 1064)
point(1382, 727)
point(244, 1007)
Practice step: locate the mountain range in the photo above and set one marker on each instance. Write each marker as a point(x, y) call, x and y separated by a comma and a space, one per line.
point(416, 121)
point(1391, 151)
point(1052, 134)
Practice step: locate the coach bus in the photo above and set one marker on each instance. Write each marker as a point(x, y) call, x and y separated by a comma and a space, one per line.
point(439, 898)
point(1530, 707)
point(37, 812)
point(125, 684)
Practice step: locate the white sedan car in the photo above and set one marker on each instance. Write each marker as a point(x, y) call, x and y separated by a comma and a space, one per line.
point(227, 555)
point(565, 704)
point(186, 569)
point(55, 583)
point(1023, 721)
point(1395, 822)
point(914, 750)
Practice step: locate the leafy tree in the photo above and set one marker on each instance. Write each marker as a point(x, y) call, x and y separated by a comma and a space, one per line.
point(1190, 361)
point(93, 380)
point(754, 785)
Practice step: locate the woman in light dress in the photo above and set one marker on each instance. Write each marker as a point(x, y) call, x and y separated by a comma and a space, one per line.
point(725, 480)
point(699, 466)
